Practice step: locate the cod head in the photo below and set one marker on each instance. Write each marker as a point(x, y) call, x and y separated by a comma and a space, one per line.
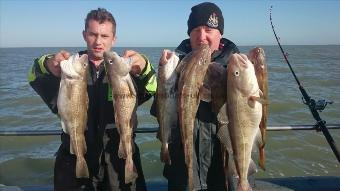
point(75, 67)
point(117, 65)
point(241, 75)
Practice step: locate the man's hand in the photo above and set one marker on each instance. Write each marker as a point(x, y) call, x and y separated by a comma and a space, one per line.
point(166, 55)
point(53, 63)
point(138, 62)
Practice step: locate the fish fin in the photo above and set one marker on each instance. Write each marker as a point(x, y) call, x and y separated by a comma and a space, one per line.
point(251, 101)
point(262, 158)
point(64, 127)
point(243, 186)
point(87, 107)
point(82, 170)
point(224, 137)
point(85, 146)
point(258, 99)
point(158, 135)
point(205, 94)
point(261, 93)
point(71, 148)
point(132, 88)
point(130, 171)
point(259, 143)
point(222, 116)
point(263, 99)
point(231, 165)
point(121, 152)
point(229, 170)
point(133, 148)
point(165, 155)
point(252, 168)
point(223, 132)
point(258, 139)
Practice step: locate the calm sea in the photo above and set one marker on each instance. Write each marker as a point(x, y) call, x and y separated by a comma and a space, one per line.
point(28, 160)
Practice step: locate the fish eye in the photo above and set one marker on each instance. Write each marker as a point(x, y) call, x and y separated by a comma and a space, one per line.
point(110, 62)
point(237, 73)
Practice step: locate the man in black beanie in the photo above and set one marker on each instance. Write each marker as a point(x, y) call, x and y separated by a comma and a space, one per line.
point(205, 26)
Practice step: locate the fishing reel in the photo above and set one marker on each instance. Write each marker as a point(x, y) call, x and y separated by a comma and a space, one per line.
point(319, 105)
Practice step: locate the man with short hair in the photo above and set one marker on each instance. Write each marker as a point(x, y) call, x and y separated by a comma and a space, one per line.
point(106, 169)
point(205, 26)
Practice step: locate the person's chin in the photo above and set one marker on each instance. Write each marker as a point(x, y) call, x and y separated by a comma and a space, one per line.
point(98, 54)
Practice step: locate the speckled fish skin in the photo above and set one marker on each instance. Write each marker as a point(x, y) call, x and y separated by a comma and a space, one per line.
point(125, 105)
point(167, 103)
point(72, 107)
point(217, 81)
point(192, 71)
point(258, 58)
point(244, 113)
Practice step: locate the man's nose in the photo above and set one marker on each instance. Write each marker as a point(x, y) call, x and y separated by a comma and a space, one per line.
point(202, 35)
point(98, 40)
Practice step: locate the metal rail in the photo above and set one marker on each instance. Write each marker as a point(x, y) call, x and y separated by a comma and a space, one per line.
point(314, 106)
point(154, 130)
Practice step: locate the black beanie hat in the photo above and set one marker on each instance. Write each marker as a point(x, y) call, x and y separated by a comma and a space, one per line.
point(206, 14)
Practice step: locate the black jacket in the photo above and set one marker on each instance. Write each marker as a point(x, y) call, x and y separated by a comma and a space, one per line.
point(208, 167)
point(221, 56)
point(100, 110)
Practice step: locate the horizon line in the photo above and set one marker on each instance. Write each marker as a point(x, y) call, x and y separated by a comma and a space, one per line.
point(164, 46)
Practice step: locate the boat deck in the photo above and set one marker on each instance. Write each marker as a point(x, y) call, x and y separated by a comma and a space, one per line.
point(315, 183)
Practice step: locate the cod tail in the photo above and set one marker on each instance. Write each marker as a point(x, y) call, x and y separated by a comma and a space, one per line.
point(165, 155)
point(81, 168)
point(130, 171)
point(244, 186)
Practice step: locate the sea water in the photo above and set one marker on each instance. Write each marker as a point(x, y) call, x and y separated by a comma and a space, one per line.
point(29, 160)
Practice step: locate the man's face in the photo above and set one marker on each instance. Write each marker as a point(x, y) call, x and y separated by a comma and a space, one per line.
point(99, 38)
point(205, 35)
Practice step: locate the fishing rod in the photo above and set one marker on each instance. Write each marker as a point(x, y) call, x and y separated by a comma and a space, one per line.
point(314, 106)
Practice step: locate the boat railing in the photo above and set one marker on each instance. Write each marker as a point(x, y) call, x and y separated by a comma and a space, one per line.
point(155, 129)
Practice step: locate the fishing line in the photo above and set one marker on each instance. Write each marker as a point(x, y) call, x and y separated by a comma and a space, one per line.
point(314, 106)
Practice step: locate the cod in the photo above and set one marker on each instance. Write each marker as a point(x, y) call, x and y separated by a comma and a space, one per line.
point(72, 107)
point(216, 80)
point(192, 69)
point(258, 58)
point(125, 104)
point(244, 113)
point(166, 97)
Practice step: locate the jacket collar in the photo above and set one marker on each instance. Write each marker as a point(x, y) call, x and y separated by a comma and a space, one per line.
point(225, 46)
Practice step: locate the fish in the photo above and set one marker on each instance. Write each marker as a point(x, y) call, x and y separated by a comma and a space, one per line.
point(192, 70)
point(125, 105)
point(72, 107)
point(166, 97)
point(216, 80)
point(258, 58)
point(244, 113)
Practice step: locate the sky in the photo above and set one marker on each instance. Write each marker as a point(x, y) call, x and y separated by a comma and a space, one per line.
point(163, 23)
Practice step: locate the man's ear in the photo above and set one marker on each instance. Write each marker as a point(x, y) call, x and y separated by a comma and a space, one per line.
point(114, 40)
point(84, 35)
